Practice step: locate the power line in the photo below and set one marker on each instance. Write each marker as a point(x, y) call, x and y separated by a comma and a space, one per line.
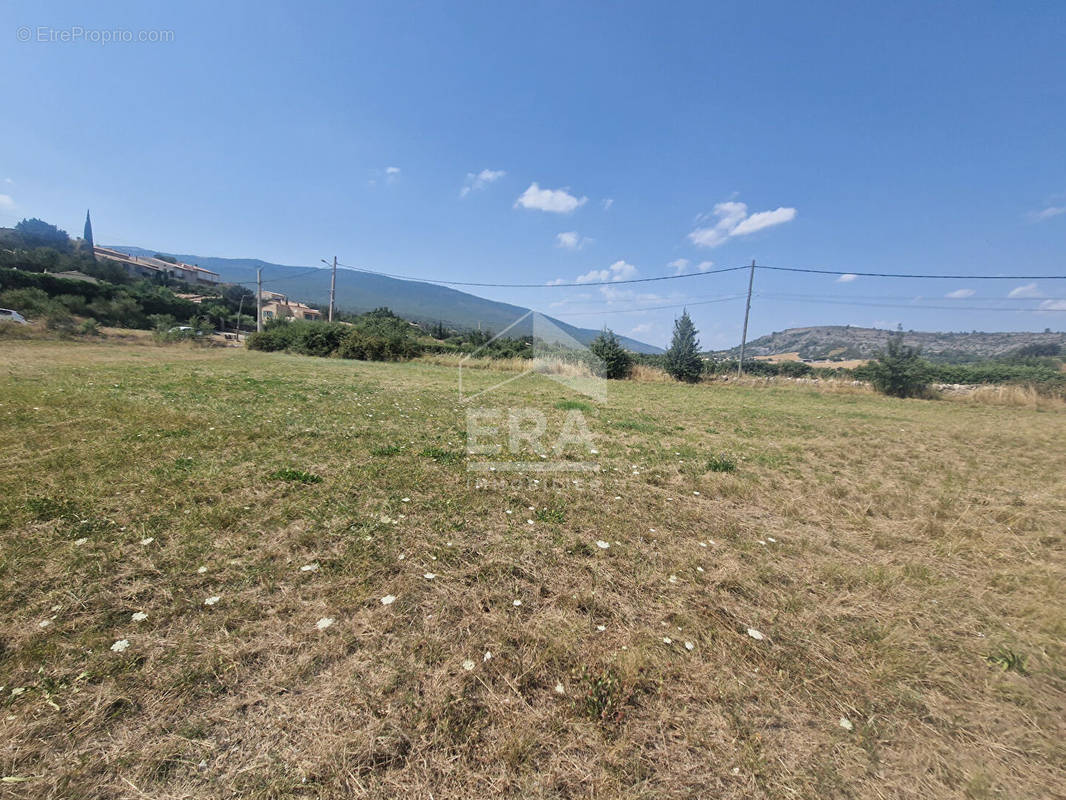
point(577, 284)
point(915, 275)
point(723, 299)
point(551, 285)
point(787, 299)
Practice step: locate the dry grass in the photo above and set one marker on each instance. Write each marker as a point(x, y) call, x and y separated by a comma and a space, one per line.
point(1017, 396)
point(643, 373)
point(887, 550)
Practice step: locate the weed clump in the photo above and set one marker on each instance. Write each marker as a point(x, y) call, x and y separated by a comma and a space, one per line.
point(722, 463)
point(295, 476)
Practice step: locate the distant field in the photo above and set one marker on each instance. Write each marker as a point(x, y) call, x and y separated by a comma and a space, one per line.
point(903, 561)
point(794, 356)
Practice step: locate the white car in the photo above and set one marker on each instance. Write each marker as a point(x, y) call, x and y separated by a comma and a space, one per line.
point(9, 315)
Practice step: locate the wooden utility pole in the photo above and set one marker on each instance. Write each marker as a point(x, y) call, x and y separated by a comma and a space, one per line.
point(332, 288)
point(259, 300)
point(747, 310)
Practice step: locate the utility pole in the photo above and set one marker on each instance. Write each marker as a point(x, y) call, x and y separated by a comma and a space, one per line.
point(332, 288)
point(259, 300)
point(747, 310)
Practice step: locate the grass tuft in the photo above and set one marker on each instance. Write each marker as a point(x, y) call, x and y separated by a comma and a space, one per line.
point(295, 475)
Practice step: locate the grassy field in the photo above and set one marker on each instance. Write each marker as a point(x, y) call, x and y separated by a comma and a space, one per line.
point(177, 525)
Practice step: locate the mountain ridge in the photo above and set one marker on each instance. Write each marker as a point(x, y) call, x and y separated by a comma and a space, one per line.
point(843, 342)
point(358, 292)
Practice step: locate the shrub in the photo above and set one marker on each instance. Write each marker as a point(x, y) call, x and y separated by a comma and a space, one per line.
point(31, 302)
point(89, 327)
point(616, 359)
point(899, 370)
point(368, 346)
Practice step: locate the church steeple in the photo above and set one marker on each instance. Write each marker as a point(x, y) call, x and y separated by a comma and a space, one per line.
point(88, 235)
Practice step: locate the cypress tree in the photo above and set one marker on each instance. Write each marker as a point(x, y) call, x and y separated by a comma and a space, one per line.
point(683, 360)
point(88, 234)
point(616, 360)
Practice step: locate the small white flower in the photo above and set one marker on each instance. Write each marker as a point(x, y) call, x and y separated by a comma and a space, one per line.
point(202, 570)
point(517, 603)
point(468, 664)
point(44, 623)
point(406, 500)
point(487, 656)
point(531, 508)
point(139, 616)
point(148, 541)
point(430, 576)
point(696, 493)
point(401, 557)
point(690, 646)
point(508, 511)
point(703, 544)
point(17, 690)
point(312, 567)
point(324, 623)
point(845, 723)
point(699, 569)
point(210, 601)
point(667, 640)
point(754, 634)
point(529, 521)
point(771, 539)
point(80, 542)
point(673, 579)
point(388, 600)
point(762, 542)
point(652, 530)
point(594, 452)
point(120, 645)
point(618, 497)
point(560, 689)
point(602, 544)
point(601, 628)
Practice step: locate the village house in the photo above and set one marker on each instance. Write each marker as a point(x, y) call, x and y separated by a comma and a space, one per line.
point(278, 306)
point(148, 267)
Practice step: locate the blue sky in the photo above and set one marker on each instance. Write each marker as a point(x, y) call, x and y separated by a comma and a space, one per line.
point(531, 142)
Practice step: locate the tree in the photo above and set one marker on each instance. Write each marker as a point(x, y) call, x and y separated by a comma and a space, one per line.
point(683, 360)
point(899, 370)
point(38, 233)
point(617, 361)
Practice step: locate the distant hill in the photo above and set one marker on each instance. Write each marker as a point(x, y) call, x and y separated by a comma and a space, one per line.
point(360, 291)
point(846, 342)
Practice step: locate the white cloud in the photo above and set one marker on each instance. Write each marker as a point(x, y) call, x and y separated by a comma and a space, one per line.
point(392, 170)
point(703, 266)
point(1047, 213)
point(1025, 290)
point(1053, 305)
point(571, 240)
point(9, 181)
point(764, 219)
point(479, 180)
point(618, 271)
point(958, 294)
point(679, 265)
point(557, 201)
point(731, 219)
point(644, 327)
point(848, 278)
point(7, 202)
point(607, 203)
